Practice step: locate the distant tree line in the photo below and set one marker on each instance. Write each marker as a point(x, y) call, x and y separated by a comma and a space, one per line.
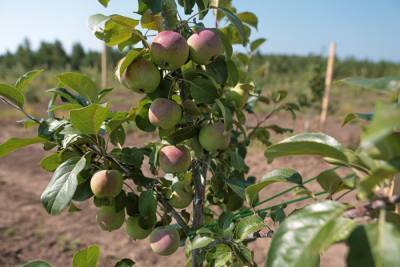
point(296, 65)
point(52, 55)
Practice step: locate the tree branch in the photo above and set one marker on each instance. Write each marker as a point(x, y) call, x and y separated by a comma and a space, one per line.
point(173, 213)
point(367, 209)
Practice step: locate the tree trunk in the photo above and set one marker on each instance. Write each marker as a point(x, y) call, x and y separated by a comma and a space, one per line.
point(199, 174)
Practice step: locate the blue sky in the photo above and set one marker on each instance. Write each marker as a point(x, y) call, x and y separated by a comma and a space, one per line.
point(362, 28)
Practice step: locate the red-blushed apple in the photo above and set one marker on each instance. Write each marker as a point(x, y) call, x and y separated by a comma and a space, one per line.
point(106, 183)
point(164, 240)
point(169, 50)
point(108, 219)
point(165, 113)
point(135, 229)
point(141, 76)
point(174, 159)
point(213, 137)
point(181, 196)
point(204, 46)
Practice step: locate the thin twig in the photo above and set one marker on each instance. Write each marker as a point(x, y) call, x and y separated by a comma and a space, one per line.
point(344, 194)
point(20, 109)
point(173, 212)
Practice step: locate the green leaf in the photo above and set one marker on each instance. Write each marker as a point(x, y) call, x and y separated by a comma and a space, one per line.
point(235, 36)
point(222, 255)
point(227, 114)
point(202, 6)
point(352, 116)
point(36, 263)
point(386, 120)
point(154, 5)
point(244, 254)
point(88, 257)
point(237, 161)
point(384, 170)
point(151, 21)
point(307, 144)
point(218, 70)
point(118, 136)
point(125, 62)
point(65, 107)
point(247, 226)
point(225, 42)
point(275, 176)
point(142, 116)
point(257, 43)
point(330, 181)
point(147, 204)
point(169, 13)
point(61, 188)
point(104, 2)
point(88, 120)
point(248, 18)
point(374, 244)
point(235, 21)
point(182, 134)
point(188, 6)
point(51, 162)
point(304, 235)
point(95, 20)
point(81, 84)
point(233, 73)
point(12, 94)
point(125, 21)
point(201, 242)
point(380, 84)
point(14, 144)
point(342, 229)
point(25, 79)
point(115, 32)
point(203, 90)
point(125, 263)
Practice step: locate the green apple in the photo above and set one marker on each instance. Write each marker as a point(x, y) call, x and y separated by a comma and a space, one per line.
point(213, 137)
point(181, 196)
point(135, 229)
point(106, 183)
point(108, 219)
point(141, 76)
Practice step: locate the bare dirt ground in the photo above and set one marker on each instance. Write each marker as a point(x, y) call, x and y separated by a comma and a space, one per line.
point(27, 232)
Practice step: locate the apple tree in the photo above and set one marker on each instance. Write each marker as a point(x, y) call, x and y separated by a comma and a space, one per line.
point(190, 187)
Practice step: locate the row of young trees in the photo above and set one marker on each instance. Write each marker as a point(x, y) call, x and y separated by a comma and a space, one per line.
point(53, 55)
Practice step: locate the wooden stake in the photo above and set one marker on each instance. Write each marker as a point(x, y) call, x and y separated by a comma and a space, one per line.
point(104, 67)
point(395, 189)
point(328, 84)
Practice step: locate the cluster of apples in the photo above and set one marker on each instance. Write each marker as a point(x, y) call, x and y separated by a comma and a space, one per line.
point(169, 50)
point(108, 184)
